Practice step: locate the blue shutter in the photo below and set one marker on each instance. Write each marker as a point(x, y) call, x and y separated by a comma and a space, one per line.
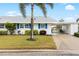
point(30, 25)
point(38, 26)
point(17, 26)
point(46, 26)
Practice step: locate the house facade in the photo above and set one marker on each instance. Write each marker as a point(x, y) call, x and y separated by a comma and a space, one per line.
point(51, 26)
point(37, 26)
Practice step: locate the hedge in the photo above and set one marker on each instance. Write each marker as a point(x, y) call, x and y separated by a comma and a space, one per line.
point(76, 34)
point(28, 32)
point(2, 32)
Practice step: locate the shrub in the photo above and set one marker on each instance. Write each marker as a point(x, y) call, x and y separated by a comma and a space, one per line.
point(3, 32)
point(35, 32)
point(11, 27)
point(76, 34)
point(42, 32)
point(28, 32)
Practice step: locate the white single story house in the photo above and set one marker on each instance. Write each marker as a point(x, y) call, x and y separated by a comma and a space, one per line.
point(50, 25)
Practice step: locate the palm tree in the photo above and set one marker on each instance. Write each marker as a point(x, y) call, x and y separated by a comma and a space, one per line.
point(42, 6)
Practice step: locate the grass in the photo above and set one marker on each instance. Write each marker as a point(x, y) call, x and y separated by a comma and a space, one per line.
point(21, 42)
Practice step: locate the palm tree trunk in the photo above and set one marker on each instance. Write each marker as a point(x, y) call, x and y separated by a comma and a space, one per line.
point(32, 21)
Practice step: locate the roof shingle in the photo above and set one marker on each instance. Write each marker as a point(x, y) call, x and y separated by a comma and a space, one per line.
point(20, 19)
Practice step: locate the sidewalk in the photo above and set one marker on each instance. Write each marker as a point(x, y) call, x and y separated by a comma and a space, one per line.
point(36, 52)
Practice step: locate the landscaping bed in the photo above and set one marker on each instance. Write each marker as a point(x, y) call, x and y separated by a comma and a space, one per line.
point(21, 42)
point(76, 34)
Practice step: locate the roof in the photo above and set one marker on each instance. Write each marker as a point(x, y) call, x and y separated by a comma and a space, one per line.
point(66, 23)
point(20, 19)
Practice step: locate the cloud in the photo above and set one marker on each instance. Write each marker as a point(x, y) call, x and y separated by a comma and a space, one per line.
point(69, 7)
point(13, 13)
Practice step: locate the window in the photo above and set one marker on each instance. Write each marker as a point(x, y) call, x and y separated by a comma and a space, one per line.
point(42, 26)
point(1, 25)
point(21, 25)
point(17, 26)
point(27, 25)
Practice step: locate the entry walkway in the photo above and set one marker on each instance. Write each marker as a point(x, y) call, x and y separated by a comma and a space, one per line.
point(66, 42)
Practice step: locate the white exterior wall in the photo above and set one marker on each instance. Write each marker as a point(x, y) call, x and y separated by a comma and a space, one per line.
point(48, 30)
point(73, 28)
point(66, 28)
point(21, 29)
point(4, 29)
point(70, 28)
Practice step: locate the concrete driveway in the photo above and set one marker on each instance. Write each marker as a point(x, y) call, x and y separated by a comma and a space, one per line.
point(66, 42)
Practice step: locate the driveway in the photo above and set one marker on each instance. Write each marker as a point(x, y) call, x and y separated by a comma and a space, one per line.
point(66, 42)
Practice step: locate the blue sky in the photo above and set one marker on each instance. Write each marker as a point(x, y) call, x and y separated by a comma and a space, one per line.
point(66, 11)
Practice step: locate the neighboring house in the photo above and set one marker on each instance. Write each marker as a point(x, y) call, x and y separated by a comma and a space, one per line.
point(50, 25)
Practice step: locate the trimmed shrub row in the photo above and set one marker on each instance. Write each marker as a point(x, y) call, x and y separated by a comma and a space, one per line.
point(28, 32)
point(3, 32)
point(76, 34)
point(35, 32)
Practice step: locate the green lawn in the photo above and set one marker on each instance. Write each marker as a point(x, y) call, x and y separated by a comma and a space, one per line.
point(18, 41)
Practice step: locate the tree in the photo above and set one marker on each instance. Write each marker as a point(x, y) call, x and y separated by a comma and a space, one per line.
point(11, 27)
point(42, 6)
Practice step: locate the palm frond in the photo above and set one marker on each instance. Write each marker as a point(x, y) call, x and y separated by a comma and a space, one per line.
point(50, 4)
point(22, 9)
point(43, 8)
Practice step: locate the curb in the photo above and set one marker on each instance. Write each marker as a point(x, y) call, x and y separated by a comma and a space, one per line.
point(37, 50)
